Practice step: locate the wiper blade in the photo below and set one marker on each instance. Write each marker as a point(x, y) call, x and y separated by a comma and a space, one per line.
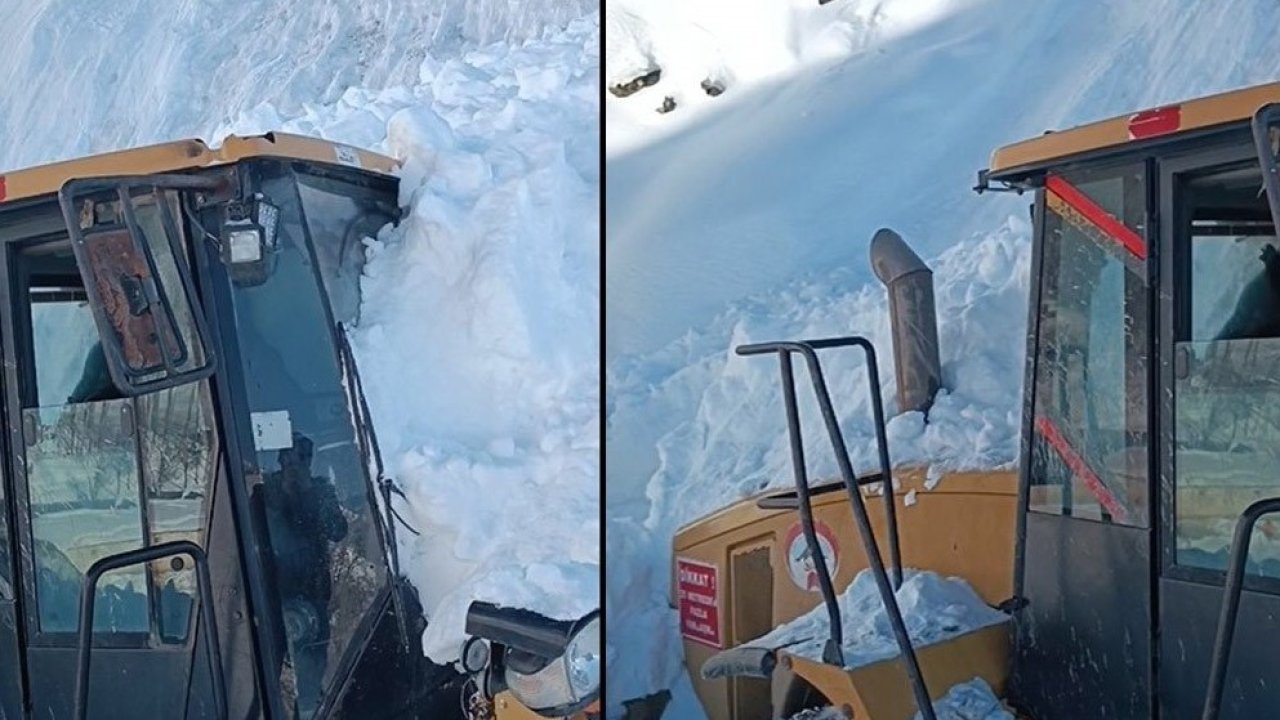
point(370, 453)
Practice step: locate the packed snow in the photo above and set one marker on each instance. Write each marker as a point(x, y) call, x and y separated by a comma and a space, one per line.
point(745, 217)
point(934, 609)
point(973, 700)
point(478, 343)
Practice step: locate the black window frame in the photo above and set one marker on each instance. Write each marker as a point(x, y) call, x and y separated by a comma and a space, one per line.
point(1200, 150)
point(19, 303)
point(1236, 148)
point(1040, 265)
point(17, 289)
point(253, 176)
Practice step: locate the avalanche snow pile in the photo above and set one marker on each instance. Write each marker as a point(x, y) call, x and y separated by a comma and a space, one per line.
point(84, 78)
point(934, 609)
point(478, 340)
point(745, 216)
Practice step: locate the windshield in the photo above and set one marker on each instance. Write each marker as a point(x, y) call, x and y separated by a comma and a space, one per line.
point(314, 495)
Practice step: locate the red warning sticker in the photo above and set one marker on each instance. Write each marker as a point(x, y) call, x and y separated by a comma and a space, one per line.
point(698, 588)
point(3, 191)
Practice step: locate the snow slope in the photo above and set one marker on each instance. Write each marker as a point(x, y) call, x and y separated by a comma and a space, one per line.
point(87, 76)
point(478, 342)
point(745, 217)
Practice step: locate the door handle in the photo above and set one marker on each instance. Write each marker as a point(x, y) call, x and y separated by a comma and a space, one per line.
point(1181, 362)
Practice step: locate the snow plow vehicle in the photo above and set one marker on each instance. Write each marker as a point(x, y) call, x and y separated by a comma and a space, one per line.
point(197, 523)
point(1130, 550)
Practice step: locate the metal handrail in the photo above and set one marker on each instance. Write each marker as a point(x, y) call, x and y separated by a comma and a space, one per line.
point(1231, 592)
point(136, 557)
point(833, 653)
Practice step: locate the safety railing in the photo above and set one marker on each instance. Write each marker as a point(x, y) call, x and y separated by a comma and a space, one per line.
point(137, 557)
point(1231, 593)
point(832, 652)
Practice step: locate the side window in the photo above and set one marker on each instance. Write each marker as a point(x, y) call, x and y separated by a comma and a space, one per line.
point(179, 447)
point(68, 361)
point(1226, 355)
point(82, 470)
point(1089, 407)
point(106, 473)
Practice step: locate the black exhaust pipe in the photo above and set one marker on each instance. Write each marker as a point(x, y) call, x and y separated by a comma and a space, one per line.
point(913, 318)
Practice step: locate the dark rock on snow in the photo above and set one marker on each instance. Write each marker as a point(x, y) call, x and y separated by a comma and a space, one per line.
point(635, 85)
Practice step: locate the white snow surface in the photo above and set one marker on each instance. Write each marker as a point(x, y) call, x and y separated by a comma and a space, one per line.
point(478, 343)
point(934, 609)
point(84, 76)
point(973, 700)
point(745, 217)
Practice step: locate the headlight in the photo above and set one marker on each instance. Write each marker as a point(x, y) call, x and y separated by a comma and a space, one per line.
point(562, 686)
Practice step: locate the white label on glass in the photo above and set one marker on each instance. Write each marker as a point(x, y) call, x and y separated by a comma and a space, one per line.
point(272, 430)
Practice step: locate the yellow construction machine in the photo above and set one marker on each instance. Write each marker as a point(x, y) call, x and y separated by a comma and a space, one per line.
point(1129, 548)
point(196, 521)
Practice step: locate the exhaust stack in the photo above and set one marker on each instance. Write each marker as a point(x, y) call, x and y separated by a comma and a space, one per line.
point(913, 318)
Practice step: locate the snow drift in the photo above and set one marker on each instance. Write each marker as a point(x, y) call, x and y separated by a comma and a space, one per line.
point(745, 217)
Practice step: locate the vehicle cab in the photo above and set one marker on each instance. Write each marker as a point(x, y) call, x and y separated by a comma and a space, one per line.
point(1151, 417)
point(196, 520)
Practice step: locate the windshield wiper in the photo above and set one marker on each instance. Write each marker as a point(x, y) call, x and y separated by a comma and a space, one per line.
point(370, 454)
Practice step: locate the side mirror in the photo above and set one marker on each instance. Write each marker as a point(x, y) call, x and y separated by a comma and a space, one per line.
point(130, 254)
point(1266, 139)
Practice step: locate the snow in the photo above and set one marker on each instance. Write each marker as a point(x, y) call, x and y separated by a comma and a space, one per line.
point(731, 439)
point(130, 72)
point(973, 700)
point(934, 609)
point(745, 217)
point(478, 343)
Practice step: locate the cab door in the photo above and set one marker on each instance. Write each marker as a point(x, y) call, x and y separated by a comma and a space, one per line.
point(1082, 647)
point(99, 471)
point(1220, 376)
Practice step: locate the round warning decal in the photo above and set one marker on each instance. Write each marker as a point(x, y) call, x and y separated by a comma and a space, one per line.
point(800, 561)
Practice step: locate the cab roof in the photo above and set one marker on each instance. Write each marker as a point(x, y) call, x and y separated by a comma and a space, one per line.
point(1201, 113)
point(188, 155)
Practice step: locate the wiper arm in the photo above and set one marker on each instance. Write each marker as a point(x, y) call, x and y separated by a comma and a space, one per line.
point(369, 452)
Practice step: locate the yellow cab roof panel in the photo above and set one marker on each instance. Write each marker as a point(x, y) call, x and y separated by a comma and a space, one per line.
point(1206, 112)
point(187, 155)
